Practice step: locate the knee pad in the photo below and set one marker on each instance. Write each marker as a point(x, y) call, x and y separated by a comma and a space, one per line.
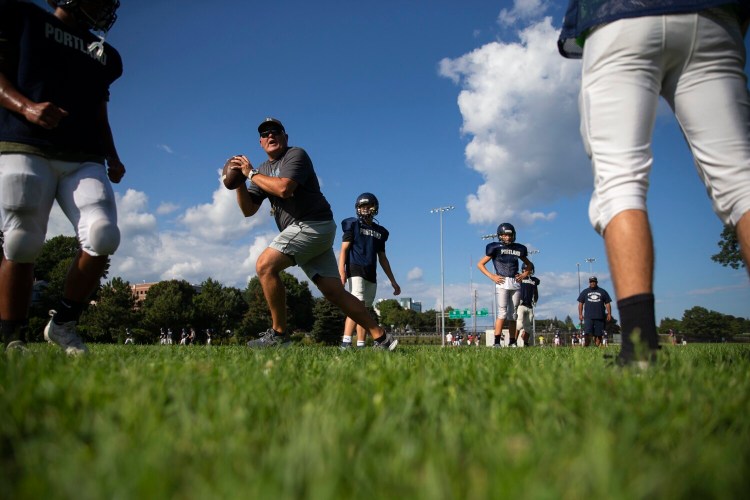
point(103, 238)
point(23, 246)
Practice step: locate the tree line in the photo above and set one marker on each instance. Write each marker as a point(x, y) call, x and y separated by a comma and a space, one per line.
point(234, 314)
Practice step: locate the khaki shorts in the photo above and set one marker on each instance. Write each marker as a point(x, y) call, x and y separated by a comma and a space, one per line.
point(310, 244)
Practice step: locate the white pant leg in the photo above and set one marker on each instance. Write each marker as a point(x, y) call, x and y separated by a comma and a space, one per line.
point(620, 86)
point(696, 61)
point(27, 192)
point(709, 96)
point(86, 197)
point(507, 302)
point(525, 316)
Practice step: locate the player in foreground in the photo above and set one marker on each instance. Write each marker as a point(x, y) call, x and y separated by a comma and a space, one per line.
point(55, 138)
point(504, 255)
point(362, 248)
point(307, 231)
point(692, 54)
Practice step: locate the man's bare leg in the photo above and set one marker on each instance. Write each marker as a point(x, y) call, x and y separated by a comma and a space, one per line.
point(630, 252)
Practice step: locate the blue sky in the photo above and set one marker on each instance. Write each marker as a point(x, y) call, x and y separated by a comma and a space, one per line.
point(424, 103)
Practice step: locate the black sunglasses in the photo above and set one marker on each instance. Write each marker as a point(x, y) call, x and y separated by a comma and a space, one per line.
point(273, 131)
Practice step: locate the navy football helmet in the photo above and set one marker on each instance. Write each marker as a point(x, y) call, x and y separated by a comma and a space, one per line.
point(506, 228)
point(97, 15)
point(366, 212)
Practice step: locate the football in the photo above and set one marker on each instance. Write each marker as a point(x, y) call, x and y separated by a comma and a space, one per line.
point(232, 177)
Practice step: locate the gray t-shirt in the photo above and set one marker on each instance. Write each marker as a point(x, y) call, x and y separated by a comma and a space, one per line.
point(308, 202)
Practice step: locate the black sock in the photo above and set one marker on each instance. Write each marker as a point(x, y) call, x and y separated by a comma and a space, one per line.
point(637, 316)
point(68, 311)
point(13, 330)
point(498, 338)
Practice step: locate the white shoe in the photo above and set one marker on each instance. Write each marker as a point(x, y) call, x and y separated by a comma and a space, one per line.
point(66, 337)
point(16, 346)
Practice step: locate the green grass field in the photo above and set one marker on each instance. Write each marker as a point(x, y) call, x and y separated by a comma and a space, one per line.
point(422, 422)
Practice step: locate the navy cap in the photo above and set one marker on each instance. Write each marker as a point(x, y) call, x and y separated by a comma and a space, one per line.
point(269, 123)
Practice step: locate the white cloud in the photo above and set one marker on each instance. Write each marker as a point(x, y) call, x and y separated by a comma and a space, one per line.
point(167, 208)
point(165, 148)
point(220, 219)
point(519, 105)
point(523, 10)
point(415, 274)
point(210, 240)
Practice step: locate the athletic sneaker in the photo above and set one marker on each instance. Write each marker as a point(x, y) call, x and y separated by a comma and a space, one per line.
point(345, 345)
point(389, 343)
point(269, 338)
point(16, 346)
point(66, 337)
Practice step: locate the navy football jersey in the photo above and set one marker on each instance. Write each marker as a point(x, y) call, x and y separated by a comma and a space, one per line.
point(367, 240)
point(529, 291)
point(47, 60)
point(505, 257)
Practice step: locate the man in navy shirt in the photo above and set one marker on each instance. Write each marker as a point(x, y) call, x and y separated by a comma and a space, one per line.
point(594, 310)
point(362, 248)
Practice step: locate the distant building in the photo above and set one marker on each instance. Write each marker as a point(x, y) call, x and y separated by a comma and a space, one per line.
point(410, 305)
point(140, 291)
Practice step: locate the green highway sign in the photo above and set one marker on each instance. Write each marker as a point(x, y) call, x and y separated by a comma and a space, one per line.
point(482, 312)
point(464, 313)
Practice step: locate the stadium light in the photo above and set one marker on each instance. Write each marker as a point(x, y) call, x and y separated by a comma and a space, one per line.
point(440, 211)
point(590, 260)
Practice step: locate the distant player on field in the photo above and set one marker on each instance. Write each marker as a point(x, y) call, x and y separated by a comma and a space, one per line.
point(505, 255)
point(362, 247)
point(594, 310)
point(525, 311)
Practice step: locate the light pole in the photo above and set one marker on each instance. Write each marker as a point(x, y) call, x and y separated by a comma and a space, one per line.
point(533, 313)
point(440, 211)
point(494, 293)
point(590, 260)
point(578, 265)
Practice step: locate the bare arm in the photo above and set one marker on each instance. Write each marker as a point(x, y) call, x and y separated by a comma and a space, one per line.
point(245, 202)
point(115, 168)
point(342, 260)
point(281, 187)
point(386, 265)
point(482, 267)
point(44, 114)
point(528, 271)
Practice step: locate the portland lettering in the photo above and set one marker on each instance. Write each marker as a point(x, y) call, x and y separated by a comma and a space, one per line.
point(72, 41)
point(370, 232)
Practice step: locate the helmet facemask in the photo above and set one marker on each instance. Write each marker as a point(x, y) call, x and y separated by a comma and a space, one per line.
point(367, 212)
point(366, 207)
point(96, 15)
